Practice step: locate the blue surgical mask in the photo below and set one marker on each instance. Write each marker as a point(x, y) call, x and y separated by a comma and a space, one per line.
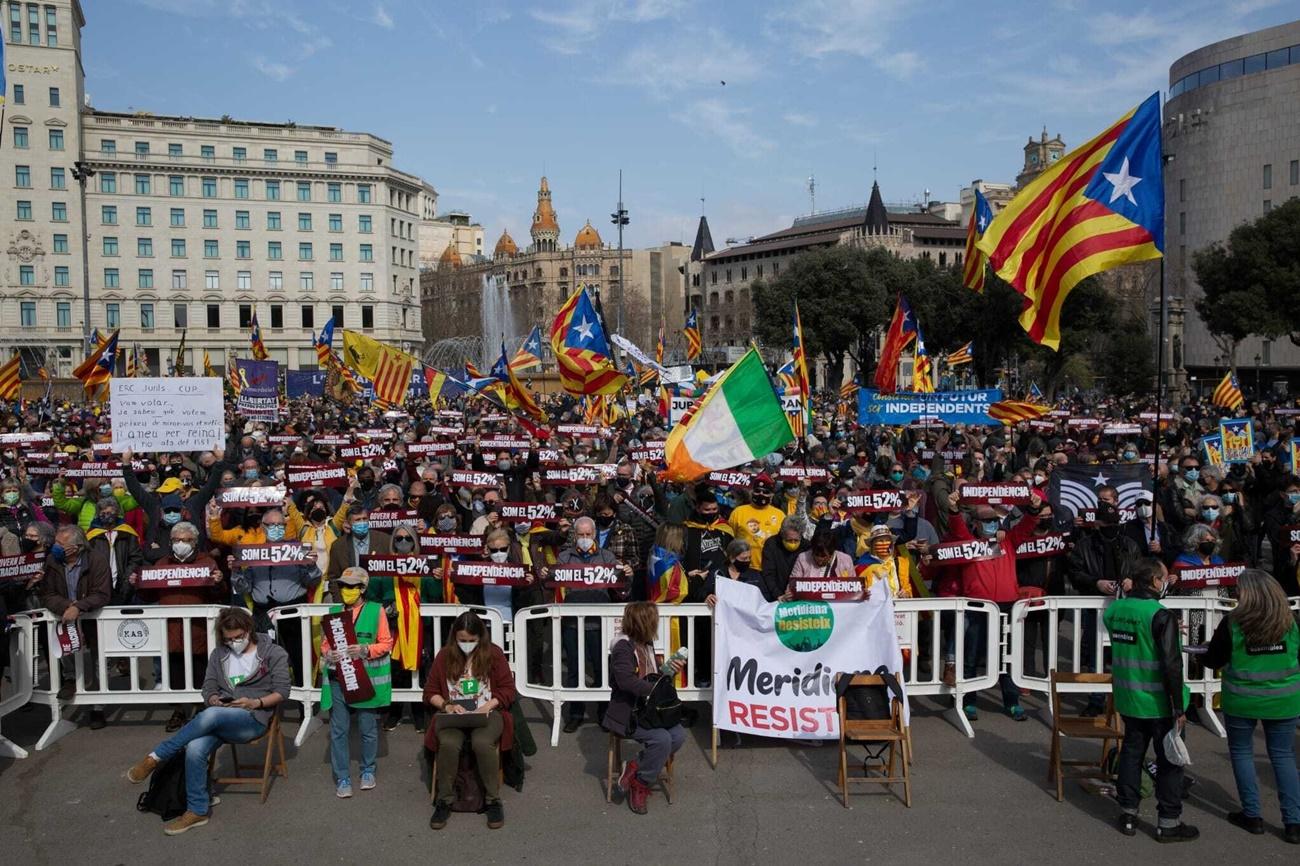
point(57, 552)
point(250, 474)
point(1293, 497)
point(920, 472)
point(896, 477)
point(105, 490)
point(1230, 498)
point(275, 533)
point(1130, 455)
point(1210, 513)
point(361, 528)
point(171, 518)
point(990, 527)
point(1191, 474)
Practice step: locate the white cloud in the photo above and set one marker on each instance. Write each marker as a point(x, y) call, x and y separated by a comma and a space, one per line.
point(381, 18)
point(686, 61)
point(261, 15)
point(1110, 28)
point(648, 10)
point(798, 118)
point(574, 26)
point(271, 69)
point(816, 28)
point(715, 118)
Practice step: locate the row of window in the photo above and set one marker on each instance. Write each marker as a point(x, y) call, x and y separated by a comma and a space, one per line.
point(27, 315)
point(143, 184)
point(33, 19)
point(1267, 174)
point(212, 280)
point(270, 155)
point(744, 274)
point(243, 249)
point(1235, 69)
point(243, 219)
point(22, 138)
point(20, 96)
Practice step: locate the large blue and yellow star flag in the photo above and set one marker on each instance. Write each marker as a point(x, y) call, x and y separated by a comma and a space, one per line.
point(581, 350)
point(976, 264)
point(530, 352)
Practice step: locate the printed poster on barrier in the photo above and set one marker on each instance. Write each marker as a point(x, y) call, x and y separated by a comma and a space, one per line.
point(1238, 437)
point(349, 673)
point(259, 389)
point(775, 663)
point(951, 407)
point(1212, 449)
point(184, 413)
point(135, 636)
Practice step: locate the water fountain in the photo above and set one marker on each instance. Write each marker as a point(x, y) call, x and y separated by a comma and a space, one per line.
point(496, 318)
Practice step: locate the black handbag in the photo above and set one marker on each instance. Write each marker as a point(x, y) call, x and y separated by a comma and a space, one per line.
point(661, 708)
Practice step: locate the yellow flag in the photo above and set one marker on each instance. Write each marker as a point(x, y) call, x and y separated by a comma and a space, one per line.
point(388, 368)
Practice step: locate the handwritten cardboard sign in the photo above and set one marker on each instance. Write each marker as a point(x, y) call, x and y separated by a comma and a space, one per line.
point(185, 413)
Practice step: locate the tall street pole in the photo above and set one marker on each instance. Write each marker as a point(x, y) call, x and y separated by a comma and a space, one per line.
point(619, 218)
point(82, 173)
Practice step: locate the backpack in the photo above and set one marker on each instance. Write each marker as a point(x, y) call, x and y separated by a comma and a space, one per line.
point(166, 793)
point(468, 788)
point(868, 702)
point(661, 708)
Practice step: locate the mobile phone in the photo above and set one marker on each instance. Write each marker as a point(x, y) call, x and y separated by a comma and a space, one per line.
point(226, 700)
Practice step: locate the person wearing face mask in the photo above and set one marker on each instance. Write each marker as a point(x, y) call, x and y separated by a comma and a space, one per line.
point(779, 555)
point(356, 541)
point(246, 678)
point(1150, 696)
point(401, 598)
point(470, 674)
point(83, 508)
point(14, 595)
point(182, 550)
point(758, 521)
point(1159, 541)
point(363, 489)
point(740, 567)
point(116, 542)
point(1284, 511)
point(1236, 526)
point(76, 581)
point(883, 561)
point(1182, 493)
point(513, 471)
point(16, 509)
point(707, 535)
point(373, 646)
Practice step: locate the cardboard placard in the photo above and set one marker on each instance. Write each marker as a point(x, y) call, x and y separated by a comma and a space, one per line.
point(397, 565)
point(827, 589)
point(1208, 576)
point(1291, 533)
point(420, 449)
point(1083, 423)
point(478, 573)
point(363, 451)
point(567, 475)
point(962, 552)
point(375, 434)
point(995, 494)
point(349, 673)
point(445, 431)
point(185, 413)
point(69, 635)
point(469, 478)
point(875, 500)
point(81, 469)
point(534, 512)
point(730, 479)
point(1122, 430)
point(1041, 425)
point(652, 452)
point(1051, 544)
point(171, 576)
point(504, 443)
point(251, 497)
point(1088, 516)
point(332, 440)
point(493, 418)
point(27, 439)
point(22, 567)
point(432, 544)
point(300, 476)
point(274, 553)
point(283, 439)
point(550, 456)
point(588, 430)
point(588, 576)
point(450, 413)
point(387, 518)
point(799, 473)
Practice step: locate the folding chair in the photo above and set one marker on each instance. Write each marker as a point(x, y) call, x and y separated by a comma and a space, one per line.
point(614, 765)
point(1107, 727)
point(889, 731)
point(273, 740)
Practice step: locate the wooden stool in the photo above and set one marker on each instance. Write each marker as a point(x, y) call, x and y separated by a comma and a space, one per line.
point(890, 731)
point(614, 766)
point(1108, 728)
point(273, 739)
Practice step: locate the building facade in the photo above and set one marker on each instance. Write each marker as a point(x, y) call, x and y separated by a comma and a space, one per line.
point(188, 225)
point(539, 278)
point(438, 231)
point(1232, 146)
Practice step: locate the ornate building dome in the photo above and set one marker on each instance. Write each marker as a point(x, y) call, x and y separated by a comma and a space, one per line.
point(505, 246)
point(546, 228)
point(588, 238)
point(450, 257)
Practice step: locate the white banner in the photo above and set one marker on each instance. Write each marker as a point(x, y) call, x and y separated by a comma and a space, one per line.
point(775, 663)
point(183, 413)
point(641, 357)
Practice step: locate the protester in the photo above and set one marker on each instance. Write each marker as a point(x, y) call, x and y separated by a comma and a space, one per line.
point(739, 567)
point(119, 544)
point(357, 540)
point(759, 520)
point(403, 595)
point(77, 581)
point(779, 555)
point(246, 678)
point(822, 559)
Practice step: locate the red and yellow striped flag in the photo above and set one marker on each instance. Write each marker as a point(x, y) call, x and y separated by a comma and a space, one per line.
point(1015, 411)
point(11, 381)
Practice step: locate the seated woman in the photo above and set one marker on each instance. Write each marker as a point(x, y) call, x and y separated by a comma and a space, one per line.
point(633, 673)
point(470, 675)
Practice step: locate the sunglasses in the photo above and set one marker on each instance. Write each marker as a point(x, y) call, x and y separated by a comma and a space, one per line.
point(498, 549)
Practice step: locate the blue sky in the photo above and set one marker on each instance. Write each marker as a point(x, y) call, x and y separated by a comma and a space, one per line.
point(481, 98)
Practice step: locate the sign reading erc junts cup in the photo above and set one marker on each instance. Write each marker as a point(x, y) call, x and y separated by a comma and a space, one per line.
point(184, 413)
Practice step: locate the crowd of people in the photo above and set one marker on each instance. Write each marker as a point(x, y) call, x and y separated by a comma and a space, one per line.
point(785, 516)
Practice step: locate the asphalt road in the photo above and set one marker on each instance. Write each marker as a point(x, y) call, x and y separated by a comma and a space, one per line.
point(974, 801)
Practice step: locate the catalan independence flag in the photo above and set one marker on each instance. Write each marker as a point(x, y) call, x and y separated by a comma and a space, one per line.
point(581, 350)
point(11, 380)
point(800, 359)
point(666, 577)
point(787, 379)
point(255, 340)
point(849, 388)
point(902, 331)
point(694, 341)
point(1099, 206)
point(922, 369)
point(1227, 394)
point(97, 369)
point(517, 395)
point(660, 345)
point(325, 344)
point(530, 352)
point(962, 355)
point(1014, 411)
point(975, 263)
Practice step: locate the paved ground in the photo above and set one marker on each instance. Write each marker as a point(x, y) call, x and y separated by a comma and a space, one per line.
point(983, 800)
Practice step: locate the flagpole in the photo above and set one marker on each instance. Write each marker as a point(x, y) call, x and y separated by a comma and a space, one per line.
point(1160, 395)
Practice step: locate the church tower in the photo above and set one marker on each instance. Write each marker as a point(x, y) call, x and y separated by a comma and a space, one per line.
point(546, 228)
point(1039, 156)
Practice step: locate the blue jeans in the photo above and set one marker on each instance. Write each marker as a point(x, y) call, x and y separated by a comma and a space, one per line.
point(1279, 739)
point(569, 652)
point(201, 736)
point(341, 726)
point(658, 745)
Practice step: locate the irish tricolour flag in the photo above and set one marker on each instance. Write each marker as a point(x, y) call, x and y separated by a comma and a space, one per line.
point(737, 421)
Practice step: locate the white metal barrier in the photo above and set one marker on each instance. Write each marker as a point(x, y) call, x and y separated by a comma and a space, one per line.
point(1067, 618)
point(590, 631)
point(129, 635)
point(435, 620)
point(22, 667)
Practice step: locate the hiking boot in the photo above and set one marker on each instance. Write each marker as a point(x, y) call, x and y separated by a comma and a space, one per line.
point(142, 770)
point(97, 720)
point(176, 721)
point(1128, 824)
point(637, 795)
point(187, 821)
point(496, 815)
point(1181, 833)
point(1292, 833)
point(949, 677)
point(625, 780)
point(441, 814)
point(1254, 826)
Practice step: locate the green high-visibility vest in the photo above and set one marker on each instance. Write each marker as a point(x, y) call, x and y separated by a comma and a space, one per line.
point(1138, 686)
point(1263, 682)
point(378, 669)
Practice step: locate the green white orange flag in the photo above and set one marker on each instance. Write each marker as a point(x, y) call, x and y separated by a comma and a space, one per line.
point(737, 421)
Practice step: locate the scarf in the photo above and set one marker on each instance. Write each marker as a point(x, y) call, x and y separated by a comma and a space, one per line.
point(406, 645)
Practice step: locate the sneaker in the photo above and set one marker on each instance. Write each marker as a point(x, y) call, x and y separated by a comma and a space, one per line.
point(949, 677)
point(972, 714)
point(421, 722)
point(67, 690)
point(142, 770)
point(1181, 833)
point(187, 821)
point(496, 815)
point(638, 794)
point(1017, 713)
point(441, 814)
point(1253, 825)
point(98, 722)
point(176, 721)
point(344, 790)
point(391, 721)
point(1128, 824)
point(367, 781)
point(572, 724)
point(625, 780)
point(1292, 834)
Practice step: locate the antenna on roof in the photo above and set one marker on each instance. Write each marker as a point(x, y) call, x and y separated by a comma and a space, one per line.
point(812, 192)
point(701, 205)
point(873, 165)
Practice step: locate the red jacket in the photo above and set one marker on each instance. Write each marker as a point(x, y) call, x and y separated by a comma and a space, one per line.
point(502, 680)
point(991, 579)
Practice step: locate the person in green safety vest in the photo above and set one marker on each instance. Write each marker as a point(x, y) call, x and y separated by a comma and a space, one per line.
point(374, 643)
point(1257, 648)
point(1149, 693)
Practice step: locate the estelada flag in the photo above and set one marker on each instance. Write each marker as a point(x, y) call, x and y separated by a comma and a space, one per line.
point(1101, 205)
point(973, 269)
point(255, 340)
point(1227, 393)
point(581, 350)
point(97, 369)
point(666, 578)
point(694, 341)
point(530, 352)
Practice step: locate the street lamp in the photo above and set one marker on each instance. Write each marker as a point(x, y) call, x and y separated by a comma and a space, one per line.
point(619, 218)
point(81, 172)
point(1257, 360)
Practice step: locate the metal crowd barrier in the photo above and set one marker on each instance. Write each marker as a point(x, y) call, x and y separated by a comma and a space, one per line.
point(22, 668)
point(435, 620)
point(1066, 617)
point(120, 634)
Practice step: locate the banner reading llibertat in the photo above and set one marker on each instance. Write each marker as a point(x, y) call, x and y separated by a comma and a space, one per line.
point(775, 663)
point(259, 389)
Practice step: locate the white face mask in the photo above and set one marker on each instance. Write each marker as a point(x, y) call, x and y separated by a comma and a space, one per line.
point(467, 646)
point(1144, 511)
point(238, 646)
point(182, 550)
point(499, 555)
point(585, 544)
